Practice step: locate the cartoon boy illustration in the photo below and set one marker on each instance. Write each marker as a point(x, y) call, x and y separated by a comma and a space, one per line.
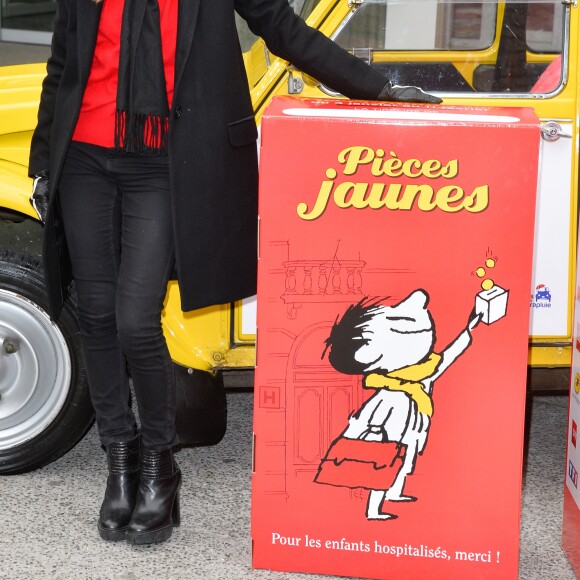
point(392, 346)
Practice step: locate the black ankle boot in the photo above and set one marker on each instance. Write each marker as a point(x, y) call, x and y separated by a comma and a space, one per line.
point(124, 465)
point(157, 507)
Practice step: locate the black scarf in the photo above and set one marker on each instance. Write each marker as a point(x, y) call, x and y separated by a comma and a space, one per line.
point(142, 116)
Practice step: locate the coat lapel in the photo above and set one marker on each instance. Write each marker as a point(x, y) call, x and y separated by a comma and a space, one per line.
point(187, 18)
point(88, 16)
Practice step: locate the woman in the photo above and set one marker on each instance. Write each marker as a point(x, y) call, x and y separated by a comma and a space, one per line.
point(145, 168)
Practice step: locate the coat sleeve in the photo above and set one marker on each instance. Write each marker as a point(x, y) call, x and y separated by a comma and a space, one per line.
point(288, 36)
point(40, 145)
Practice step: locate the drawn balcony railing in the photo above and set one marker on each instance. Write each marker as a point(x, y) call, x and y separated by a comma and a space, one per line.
point(316, 281)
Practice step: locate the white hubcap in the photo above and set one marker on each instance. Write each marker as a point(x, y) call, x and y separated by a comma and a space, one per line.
point(35, 370)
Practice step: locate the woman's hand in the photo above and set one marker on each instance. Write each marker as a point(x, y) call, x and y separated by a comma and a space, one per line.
point(406, 94)
point(40, 194)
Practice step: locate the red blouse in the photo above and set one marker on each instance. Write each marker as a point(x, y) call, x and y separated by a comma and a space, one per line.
point(96, 122)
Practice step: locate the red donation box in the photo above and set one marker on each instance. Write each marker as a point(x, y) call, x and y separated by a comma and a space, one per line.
point(571, 520)
point(393, 311)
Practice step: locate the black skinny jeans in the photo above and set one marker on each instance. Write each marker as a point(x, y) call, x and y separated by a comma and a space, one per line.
point(117, 219)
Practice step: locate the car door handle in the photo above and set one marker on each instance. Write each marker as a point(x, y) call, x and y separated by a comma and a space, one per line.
point(552, 131)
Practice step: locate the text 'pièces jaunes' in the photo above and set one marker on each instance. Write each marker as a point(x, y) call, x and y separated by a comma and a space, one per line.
point(384, 193)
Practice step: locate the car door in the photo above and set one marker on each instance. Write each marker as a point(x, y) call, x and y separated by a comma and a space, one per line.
point(515, 54)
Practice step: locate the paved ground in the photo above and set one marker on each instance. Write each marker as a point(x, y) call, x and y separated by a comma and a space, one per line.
point(49, 516)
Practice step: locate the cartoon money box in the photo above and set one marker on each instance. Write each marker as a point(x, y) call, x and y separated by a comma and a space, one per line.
point(393, 314)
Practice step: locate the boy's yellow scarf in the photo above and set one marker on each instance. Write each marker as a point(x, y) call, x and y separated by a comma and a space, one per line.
point(408, 379)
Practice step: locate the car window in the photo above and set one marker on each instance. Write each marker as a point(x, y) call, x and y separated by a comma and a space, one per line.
point(247, 38)
point(460, 46)
point(302, 7)
point(544, 27)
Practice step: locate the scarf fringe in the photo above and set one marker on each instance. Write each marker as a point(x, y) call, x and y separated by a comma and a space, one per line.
point(141, 133)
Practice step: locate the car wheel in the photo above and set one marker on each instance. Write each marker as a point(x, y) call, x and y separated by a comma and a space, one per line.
point(45, 407)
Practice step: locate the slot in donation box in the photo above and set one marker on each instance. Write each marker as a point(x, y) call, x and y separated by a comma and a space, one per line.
point(571, 518)
point(395, 263)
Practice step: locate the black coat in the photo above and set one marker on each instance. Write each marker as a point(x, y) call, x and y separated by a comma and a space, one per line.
point(212, 142)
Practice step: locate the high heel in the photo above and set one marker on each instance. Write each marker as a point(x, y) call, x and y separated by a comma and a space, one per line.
point(157, 508)
point(176, 513)
point(123, 460)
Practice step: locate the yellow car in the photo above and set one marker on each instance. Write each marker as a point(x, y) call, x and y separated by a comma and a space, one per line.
point(504, 53)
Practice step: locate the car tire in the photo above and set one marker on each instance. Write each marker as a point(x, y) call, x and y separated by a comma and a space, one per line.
point(45, 407)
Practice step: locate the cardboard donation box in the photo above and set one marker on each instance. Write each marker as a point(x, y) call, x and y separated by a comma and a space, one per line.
point(571, 520)
point(393, 310)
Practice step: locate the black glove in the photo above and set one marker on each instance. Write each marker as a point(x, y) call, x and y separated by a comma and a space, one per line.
point(406, 94)
point(39, 197)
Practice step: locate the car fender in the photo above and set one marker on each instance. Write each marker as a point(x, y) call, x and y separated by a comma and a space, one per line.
point(20, 87)
point(15, 188)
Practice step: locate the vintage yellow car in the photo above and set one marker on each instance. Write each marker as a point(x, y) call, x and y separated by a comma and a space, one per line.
point(504, 53)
